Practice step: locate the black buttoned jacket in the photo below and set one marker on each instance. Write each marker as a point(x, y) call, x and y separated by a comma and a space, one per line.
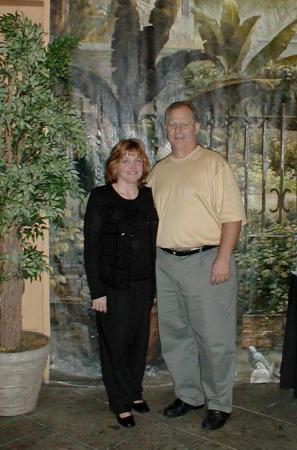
point(120, 239)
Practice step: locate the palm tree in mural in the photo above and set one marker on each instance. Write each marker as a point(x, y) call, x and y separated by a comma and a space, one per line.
point(139, 72)
point(227, 44)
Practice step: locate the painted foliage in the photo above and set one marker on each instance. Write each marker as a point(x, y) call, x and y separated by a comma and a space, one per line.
point(236, 60)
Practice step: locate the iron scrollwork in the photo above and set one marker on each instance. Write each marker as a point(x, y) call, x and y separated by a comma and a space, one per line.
point(280, 200)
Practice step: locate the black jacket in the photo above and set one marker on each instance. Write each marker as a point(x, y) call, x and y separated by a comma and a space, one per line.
point(120, 239)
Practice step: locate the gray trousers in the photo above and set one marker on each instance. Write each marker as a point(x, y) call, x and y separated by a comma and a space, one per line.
point(197, 324)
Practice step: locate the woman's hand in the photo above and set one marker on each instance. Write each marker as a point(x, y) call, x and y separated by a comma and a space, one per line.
point(99, 304)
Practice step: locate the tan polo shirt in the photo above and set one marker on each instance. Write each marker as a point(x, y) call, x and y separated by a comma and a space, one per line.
point(194, 196)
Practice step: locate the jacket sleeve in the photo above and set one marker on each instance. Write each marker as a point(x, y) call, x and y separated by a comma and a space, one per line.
point(93, 229)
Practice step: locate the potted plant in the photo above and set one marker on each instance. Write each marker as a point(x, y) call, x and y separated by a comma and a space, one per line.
point(38, 132)
point(264, 265)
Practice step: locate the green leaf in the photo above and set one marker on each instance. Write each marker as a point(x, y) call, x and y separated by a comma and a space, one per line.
point(274, 48)
point(242, 41)
point(288, 61)
point(210, 32)
point(229, 19)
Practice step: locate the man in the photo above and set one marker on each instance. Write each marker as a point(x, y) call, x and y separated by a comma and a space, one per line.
point(200, 216)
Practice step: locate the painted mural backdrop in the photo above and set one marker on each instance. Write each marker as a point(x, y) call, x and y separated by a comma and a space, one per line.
point(237, 61)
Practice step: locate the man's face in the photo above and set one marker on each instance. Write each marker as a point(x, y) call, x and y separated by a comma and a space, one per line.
point(181, 129)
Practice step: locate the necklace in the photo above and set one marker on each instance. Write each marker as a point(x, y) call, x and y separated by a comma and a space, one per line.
point(126, 195)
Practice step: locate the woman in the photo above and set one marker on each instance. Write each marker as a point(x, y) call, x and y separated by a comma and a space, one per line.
point(120, 231)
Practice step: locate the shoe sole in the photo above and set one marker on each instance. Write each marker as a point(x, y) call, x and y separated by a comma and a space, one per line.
point(173, 416)
point(211, 428)
point(141, 412)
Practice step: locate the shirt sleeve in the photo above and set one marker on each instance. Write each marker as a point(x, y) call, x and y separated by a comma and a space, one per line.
point(228, 198)
point(93, 228)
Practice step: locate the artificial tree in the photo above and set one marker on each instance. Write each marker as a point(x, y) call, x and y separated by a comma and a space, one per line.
point(40, 131)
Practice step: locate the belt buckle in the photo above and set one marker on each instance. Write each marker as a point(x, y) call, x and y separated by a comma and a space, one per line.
point(173, 252)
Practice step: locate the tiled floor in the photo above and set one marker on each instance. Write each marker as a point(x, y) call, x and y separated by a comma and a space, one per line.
point(78, 418)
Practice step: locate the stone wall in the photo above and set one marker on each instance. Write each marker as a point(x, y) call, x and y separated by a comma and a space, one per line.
point(263, 331)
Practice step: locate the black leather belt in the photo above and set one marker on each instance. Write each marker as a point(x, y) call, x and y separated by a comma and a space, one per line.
point(203, 248)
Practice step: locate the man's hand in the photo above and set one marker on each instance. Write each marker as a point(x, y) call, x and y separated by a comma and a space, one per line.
point(100, 304)
point(220, 271)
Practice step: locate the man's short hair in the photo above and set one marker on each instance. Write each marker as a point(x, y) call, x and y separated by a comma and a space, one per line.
point(181, 104)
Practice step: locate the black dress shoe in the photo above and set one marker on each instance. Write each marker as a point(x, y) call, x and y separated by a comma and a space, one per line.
point(141, 407)
point(126, 422)
point(214, 419)
point(179, 408)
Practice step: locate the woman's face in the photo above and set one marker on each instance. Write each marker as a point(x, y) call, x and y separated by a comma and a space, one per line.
point(130, 168)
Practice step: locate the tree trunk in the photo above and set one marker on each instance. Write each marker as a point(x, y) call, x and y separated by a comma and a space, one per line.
point(11, 291)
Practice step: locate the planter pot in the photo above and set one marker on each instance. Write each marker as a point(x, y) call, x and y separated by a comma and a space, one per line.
point(263, 330)
point(21, 376)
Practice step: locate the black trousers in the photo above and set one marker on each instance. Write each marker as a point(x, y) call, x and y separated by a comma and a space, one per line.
point(123, 341)
point(288, 370)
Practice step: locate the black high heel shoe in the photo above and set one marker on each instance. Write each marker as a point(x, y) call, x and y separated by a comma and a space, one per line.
point(127, 421)
point(141, 407)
